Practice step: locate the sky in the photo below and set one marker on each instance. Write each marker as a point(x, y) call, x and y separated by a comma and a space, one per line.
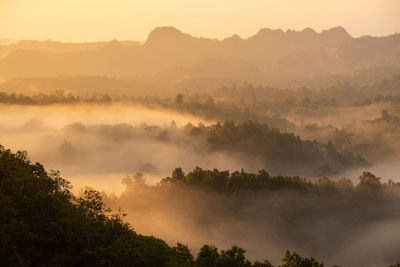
point(100, 20)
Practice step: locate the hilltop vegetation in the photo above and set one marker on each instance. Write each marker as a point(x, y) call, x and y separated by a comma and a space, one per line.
point(333, 220)
point(43, 224)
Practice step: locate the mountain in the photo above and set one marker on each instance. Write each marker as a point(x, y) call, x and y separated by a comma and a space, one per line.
point(277, 55)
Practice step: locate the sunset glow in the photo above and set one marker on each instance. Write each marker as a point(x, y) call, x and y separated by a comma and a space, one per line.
point(94, 20)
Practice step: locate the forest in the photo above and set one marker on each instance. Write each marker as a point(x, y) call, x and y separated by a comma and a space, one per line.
point(39, 211)
point(44, 224)
point(281, 148)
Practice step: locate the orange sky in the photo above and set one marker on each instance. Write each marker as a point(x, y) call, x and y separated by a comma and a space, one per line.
point(90, 20)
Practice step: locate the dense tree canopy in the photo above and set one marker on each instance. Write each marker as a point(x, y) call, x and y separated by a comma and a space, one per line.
point(43, 224)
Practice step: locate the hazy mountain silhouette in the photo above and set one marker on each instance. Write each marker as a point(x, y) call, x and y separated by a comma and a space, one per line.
point(271, 54)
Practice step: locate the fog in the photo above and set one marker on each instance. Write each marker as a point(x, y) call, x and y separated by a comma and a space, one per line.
point(91, 144)
point(349, 229)
point(97, 145)
point(109, 140)
point(299, 114)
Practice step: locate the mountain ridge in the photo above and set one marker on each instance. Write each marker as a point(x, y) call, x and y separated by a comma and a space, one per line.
point(169, 31)
point(329, 52)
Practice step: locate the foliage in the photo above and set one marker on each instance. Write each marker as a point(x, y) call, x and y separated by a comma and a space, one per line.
point(43, 224)
point(292, 259)
point(242, 181)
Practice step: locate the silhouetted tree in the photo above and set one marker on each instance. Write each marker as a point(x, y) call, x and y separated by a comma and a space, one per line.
point(208, 256)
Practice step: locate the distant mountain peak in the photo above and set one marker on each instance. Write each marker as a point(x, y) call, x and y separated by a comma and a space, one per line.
point(337, 32)
point(233, 38)
point(113, 45)
point(165, 30)
point(114, 42)
point(236, 37)
point(166, 34)
point(267, 33)
point(308, 30)
point(264, 31)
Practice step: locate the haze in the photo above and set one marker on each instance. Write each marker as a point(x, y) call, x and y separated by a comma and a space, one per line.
point(268, 125)
point(96, 20)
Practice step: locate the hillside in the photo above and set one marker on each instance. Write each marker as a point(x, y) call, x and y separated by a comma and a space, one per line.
point(43, 224)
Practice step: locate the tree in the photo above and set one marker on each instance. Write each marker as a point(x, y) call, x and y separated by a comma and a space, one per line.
point(183, 255)
point(208, 256)
point(369, 181)
point(179, 99)
point(292, 259)
point(178, 174)
point(43, 224)
point(233, 257)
